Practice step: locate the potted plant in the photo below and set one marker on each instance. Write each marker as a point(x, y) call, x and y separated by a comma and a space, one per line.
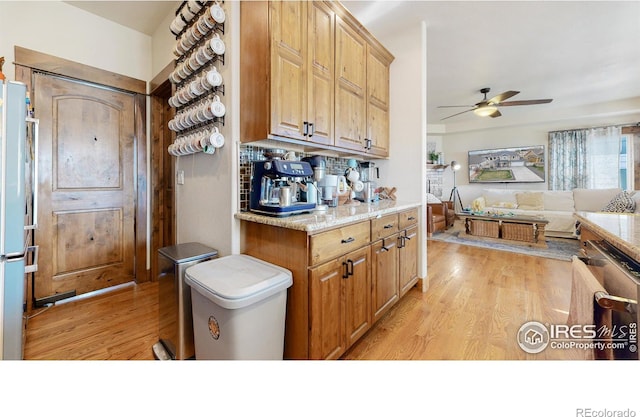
point(434, 157)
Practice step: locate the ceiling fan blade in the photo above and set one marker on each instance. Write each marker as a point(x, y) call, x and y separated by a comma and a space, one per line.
point(502, 97)
point(525, 102)
point(448, 117)
point(495, 114)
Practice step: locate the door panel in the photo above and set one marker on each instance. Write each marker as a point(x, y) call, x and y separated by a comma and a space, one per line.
point(86, 187)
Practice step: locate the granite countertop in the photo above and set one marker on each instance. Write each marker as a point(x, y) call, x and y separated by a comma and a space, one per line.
point(317, 221)
point(621, 230)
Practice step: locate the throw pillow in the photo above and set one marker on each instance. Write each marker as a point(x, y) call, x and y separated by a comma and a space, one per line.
point(592, 199)
point(530, 201)
point(622, 203)
point(478, 205)
point(498, 197)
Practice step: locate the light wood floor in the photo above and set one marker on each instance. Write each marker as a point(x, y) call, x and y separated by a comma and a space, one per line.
point(477, 300)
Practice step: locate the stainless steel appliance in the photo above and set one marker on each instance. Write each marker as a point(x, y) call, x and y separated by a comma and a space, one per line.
point(619, 275)
point(174, 299)
point(369, 174)
point(275, 187)
point(16, 203)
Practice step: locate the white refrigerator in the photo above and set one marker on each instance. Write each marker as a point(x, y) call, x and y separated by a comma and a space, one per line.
point(15, 161)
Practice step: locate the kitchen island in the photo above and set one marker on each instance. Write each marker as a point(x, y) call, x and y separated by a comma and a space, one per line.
point(622, 230)
point(350, 265)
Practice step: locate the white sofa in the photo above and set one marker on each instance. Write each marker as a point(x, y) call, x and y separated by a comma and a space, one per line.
point(557, 207)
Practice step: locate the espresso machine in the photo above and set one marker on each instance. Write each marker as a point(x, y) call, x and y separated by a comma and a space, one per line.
point(275, 187)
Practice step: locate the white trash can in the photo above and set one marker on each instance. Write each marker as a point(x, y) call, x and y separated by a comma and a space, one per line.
point(239, 306)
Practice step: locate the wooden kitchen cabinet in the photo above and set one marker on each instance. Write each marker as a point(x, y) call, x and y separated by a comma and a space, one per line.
point(362, 92)
point(377, 137)
point(408, 259)
point(408, 250)
point(299, 58)
point(384, 266)
point(310, 73)
point(351, 87)
point(342, 282)
point(340, 304)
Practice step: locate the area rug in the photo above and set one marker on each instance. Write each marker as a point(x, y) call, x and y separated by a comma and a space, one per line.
point(557, 248)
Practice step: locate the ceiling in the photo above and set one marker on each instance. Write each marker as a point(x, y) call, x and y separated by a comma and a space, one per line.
point(576, 52)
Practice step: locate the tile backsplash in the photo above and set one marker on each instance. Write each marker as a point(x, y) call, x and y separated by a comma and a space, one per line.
point(250, 153)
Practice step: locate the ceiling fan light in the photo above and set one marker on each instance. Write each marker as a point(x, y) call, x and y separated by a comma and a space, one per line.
point(486, 110)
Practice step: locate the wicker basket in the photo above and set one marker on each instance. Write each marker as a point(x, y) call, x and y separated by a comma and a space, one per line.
point(486, 228)
point(516, 231)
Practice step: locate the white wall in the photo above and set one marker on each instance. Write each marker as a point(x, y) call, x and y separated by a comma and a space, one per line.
point(59, 29)
point(208, 200)
point(162, 44)
point(406, 167)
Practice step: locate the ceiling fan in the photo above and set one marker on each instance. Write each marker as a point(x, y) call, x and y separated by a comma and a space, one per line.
point(489, 107)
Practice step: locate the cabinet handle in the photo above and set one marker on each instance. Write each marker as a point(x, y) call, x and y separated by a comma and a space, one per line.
point(348, 240)
point(305, 129)
point(401, 242)
point(411, 218)
point(384, 247)
point(312, 129)
point(405, 235)
point(345, 274)
point(367, 144)
point(349, 267)
point(388, 226)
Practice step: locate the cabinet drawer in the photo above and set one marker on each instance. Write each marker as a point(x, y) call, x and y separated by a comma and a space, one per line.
point(407, 218)
point(384, 226)
point(329, 245)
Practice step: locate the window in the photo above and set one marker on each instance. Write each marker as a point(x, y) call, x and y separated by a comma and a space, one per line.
point(590, 158)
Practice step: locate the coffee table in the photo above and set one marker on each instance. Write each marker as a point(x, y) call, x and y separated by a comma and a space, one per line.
point(523, 229)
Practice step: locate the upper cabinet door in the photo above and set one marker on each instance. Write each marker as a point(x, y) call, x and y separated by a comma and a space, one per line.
point(288, 68)
point(320, 90)
point(378, 63)
point(351, 84)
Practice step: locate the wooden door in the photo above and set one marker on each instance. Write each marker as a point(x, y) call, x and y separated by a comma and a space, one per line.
point(320, 87)
point(384, 275)
point(408, 263)
point(288, 68)
point(357, 295)
point(378, 102)
point(86, 186)
point(351, 84)
point(326, 321)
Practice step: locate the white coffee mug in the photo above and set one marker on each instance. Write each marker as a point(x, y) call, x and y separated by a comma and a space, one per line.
point(216, 139)
point(217, 45)
point(353, 175)
point(213, 78)
point(217, 12)
point(358, 186)
point(217, 107)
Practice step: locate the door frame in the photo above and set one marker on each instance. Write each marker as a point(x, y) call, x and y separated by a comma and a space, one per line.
point(163, 220)
point(27, 61)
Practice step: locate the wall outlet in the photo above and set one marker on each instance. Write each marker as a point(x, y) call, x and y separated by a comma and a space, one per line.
point(180, 177)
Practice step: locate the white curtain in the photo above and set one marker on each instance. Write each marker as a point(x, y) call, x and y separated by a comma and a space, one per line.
point(603, 157)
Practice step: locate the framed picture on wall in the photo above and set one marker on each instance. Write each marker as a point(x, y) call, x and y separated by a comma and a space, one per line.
point(517, 164)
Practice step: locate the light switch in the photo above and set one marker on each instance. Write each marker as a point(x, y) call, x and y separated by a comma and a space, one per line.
point(180, 177)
